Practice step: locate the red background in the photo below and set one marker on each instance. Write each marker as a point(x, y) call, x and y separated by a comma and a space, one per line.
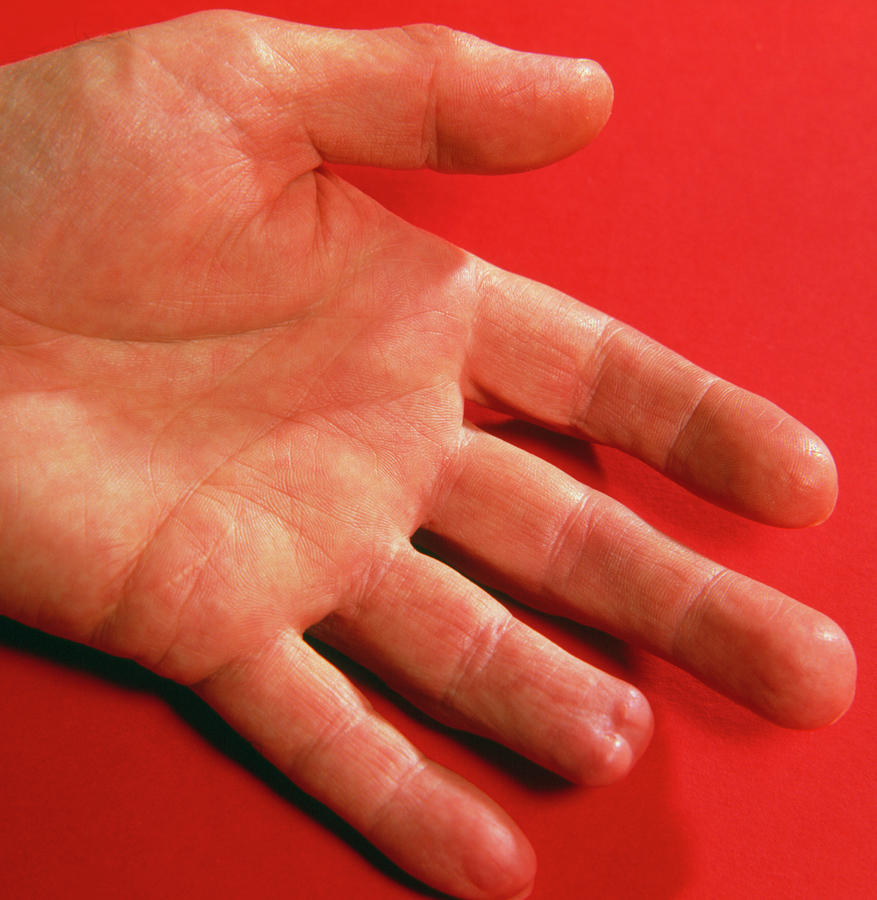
point(728, 210)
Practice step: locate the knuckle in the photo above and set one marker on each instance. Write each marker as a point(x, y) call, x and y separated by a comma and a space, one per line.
point(713, 395)
point(568, 542)
point(474, 658)
point(691, 617)
point(586, 402)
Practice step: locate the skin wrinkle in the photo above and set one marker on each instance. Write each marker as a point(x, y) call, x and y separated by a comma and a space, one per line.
point(201, 401)
point(568, 321)
point(619, 559)
point(578, 523)
point(356, 579)
point(430, 141)
point(361, 591)
point(427, 436)
point(333, 731)
point(362, 441)
point(249, 359)
point(296, 502)
point(476, 275)
point(283, 650)
point(489, 289)
point(556, 753)
point(229, 376)
point(33, 321)
point(349, 268)
point(400, 784)
point(210, 106)
point(599, 359)
point(688, 618)
point(185, 90)
point(141, 554)
point(417, 587)
point(307, 86)
point(235, 238)
point(475, 658)
point(62, 333)
point(199, 568)
point(450, 475)
point(688, 417)
point(200, 565)
point(238, 665)
point(288, 100)
point(171, 72)
point(158, 339)
point(319, 241)
point(100, 634)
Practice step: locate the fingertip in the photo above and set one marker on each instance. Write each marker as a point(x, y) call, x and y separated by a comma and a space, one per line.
point(599, 97)
point(514, 111)
point(524, 893)
point(457, 840)
point(826, 685)
point(813, 683)
point(501, 865)
point(815, 483)
point(625, 739)
point(843, 689)
point(745, 453)
point(804, 488)
point(639, 721)
point(615, 760)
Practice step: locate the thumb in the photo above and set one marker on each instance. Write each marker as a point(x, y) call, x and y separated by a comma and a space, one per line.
point(421, 95)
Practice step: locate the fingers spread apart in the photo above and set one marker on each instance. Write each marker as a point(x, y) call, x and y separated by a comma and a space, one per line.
point(548, 358)
point(528, 528)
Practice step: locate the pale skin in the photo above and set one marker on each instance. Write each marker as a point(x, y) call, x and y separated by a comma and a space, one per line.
point(232, 391)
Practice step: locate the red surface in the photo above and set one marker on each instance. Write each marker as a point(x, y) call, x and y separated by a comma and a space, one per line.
point(728, 210)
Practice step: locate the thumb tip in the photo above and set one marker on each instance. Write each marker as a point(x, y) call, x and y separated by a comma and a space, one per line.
point(597, 97)
point(546, 109)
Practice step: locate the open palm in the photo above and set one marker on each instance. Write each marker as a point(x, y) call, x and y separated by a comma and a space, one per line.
point(233, 385)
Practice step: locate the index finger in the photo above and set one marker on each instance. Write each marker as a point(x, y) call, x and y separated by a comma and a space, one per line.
point(544, 356)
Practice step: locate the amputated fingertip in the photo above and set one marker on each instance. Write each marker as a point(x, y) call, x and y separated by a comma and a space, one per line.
point(627, 735)
point(639, 722)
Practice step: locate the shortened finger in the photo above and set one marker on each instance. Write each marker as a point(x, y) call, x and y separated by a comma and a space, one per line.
point(306, 718)
point(548, 358)
point(528, 528)
point(460, 655)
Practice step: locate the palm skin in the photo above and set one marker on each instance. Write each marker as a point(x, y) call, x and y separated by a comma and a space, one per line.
point(233, 387)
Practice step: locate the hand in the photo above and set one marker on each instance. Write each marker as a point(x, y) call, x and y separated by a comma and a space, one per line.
point(232, 388)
